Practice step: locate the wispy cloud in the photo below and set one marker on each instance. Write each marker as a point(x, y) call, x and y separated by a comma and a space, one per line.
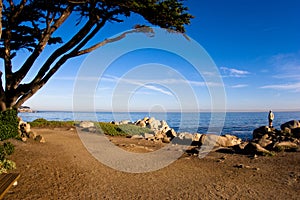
point(161, 81)
point(138, 83)
point(231, 72)
point(294, 87)
point(240, 86)
point(287, 65)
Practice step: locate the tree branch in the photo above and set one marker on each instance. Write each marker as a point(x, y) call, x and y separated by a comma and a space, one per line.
point(143, 29)
point(21, 73)
point(62, 50)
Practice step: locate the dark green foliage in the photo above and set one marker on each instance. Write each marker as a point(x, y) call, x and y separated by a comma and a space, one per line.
point(111, 129)
point(8, 124)
point(43, 123)
point(122, 130)
point(6, 149)
point(131, 129)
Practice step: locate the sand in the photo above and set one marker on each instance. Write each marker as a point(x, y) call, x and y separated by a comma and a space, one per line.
point(62, 168)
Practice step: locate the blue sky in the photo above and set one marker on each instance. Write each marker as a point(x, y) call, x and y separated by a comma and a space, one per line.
point(255, 46)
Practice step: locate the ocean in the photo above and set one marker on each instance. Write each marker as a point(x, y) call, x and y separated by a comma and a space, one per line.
point(240, 124)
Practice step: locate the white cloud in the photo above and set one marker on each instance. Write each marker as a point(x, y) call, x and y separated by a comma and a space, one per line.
point(239, 86)
point(295, 87)
point(161, 81)
point(287, 66)
point(231, 72)
point(138, 83)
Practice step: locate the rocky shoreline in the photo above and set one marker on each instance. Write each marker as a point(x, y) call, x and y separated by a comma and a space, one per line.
point(266, 140)
point(63, 168)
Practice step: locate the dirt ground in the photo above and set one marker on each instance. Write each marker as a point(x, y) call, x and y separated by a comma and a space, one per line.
point(62, 168)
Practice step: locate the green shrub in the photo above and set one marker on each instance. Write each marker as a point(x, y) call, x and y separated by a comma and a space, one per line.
point(8, 124)
point(6, 149)
point(131, 129)
point(6, 165)
point(43, 123)
point(111, 129)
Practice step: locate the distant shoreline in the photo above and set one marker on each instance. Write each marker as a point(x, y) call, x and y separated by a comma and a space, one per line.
point(201, 111)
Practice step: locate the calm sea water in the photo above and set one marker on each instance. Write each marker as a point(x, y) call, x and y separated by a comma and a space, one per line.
point(240, 124)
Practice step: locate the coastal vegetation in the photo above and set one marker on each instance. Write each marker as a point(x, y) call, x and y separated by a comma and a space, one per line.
point(43, 123)
point(104, 127)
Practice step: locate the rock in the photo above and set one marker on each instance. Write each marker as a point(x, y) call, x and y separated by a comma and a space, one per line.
point(239, 148)
point(91, 129)
point(290, 124)
point(86, 124)
point(286, 131)
point(141, 124)
point(230, 140)
point(171, 133)
point(181, 136)
point(137, 137)
point(166, 140)
point(254, 148)
point(40, 139)
point(154, 124)
point(159, 135)
point(264, 141)
point(197, 137)
point(188, 136)
point(296, 133)
point(32, 135)
point(24, 139)
point(221, 141)
point(148, 136)
point(287, 145)
point(25, 127)
point(125, 122)
point(259, 132)
point(164, 124)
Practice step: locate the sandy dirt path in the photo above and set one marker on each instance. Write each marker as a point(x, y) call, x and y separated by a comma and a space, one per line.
point(62, 168)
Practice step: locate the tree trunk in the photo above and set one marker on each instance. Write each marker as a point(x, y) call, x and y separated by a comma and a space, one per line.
point(1, 7)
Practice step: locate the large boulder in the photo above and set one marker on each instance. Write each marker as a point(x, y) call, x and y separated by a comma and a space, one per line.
point(220, 141)
point(153, 124)
point(254, 148)
point(261, 131)
point(286, 146)
point(86, 124)
point(264, 141)
point(296, 133)
point(25, 127)
point(293, 124)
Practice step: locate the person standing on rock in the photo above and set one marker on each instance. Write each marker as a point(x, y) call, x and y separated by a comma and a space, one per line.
point(271, 118)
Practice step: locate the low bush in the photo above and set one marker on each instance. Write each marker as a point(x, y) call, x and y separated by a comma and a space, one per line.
point(122, 130)
point(111, 129)
point(43, 123)
point(131, 129)
point(6, 149)
point(8, 124)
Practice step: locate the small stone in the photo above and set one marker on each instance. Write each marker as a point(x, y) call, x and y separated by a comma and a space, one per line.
point(166, 140)
point(24, 139)
point(32, 135)
point(148, 136)
point(40, 139)
point(137, 137)
point(239, 166)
